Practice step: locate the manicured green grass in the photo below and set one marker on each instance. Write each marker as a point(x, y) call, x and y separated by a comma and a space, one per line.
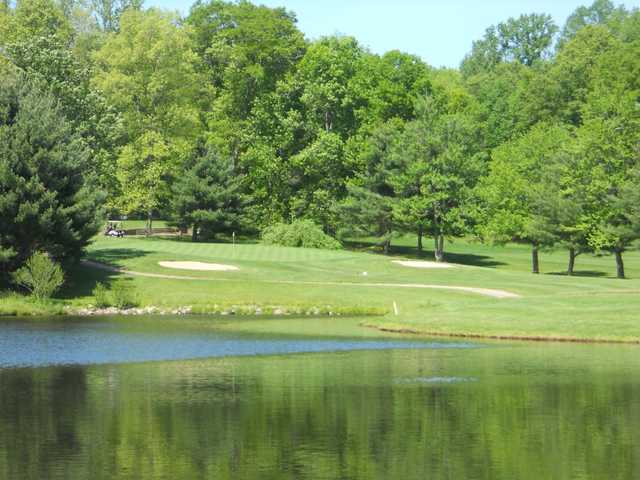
point(512, 257)
point(591, 305)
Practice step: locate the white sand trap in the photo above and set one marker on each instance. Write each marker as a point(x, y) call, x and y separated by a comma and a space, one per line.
point(210, 267)
point(422, 264)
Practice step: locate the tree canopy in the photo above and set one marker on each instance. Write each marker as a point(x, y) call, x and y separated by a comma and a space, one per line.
point(229, 119)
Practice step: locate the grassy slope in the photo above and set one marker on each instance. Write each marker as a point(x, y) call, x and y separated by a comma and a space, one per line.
point(591, 306)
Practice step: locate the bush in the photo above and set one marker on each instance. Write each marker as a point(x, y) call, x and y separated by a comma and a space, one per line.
point(101, 295)
point(300, 233)
point(40, 275)
point(123, 295)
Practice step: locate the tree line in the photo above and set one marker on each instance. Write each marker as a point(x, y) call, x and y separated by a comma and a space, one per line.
point(228, 119)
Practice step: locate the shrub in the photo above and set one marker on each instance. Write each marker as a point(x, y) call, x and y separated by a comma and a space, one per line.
point(40, 275)
point(300, 233)
point(123, 294)
point(101, 296)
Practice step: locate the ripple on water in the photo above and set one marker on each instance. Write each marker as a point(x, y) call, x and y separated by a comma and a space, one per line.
point(435, 380)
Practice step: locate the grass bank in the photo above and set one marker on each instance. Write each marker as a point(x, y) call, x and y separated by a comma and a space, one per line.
point(592, 305)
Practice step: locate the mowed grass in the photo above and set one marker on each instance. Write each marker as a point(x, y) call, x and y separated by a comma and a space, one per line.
point(591, 305)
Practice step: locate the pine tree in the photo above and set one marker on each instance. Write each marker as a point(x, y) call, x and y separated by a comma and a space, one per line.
point(209, 198)
point(47, 202)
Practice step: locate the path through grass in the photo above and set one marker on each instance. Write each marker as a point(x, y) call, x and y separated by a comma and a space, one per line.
point(592, 306)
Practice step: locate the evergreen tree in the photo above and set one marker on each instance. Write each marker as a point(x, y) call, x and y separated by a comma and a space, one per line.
point(46, 199)
point(208, 198)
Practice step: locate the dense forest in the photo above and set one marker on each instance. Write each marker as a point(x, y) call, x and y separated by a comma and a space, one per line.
point(230, 120)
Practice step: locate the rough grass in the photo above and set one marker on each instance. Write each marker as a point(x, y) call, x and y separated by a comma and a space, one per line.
point(589, 306)
point(16, 305)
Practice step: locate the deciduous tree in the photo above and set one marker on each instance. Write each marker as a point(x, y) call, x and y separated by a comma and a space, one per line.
point(525, 40)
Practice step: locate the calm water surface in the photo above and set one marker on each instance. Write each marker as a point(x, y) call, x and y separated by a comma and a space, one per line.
point(171, 399)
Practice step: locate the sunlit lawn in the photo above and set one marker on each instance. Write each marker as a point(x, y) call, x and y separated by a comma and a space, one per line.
point(591, 304)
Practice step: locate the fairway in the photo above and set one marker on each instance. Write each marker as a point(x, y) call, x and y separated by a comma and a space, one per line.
point(590, 306)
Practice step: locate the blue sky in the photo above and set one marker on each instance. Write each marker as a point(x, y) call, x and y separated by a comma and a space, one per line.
point(440, 31)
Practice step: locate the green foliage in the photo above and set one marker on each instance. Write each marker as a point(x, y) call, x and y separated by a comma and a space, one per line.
point(123, 295)
point(107, 13)
point(208, 197)
point(608, 148)
point(47, 200)
point(511, 99)
point(247, 49)
point(320, 130)
point(367, 213)
point(601, 12)
point(388, 86)
point(315, 191)
point(101, 295)
point(420, 176)
point(439, 163)
point(517, 182)
point(40, 275)
point(144, 168)
point(53, 66)
point(35, 18)
point(300, 131)
point(150, 73)
point(148, 70)
point(524, 40)
point(299, 233)
point(368, 209)
point(574, 70)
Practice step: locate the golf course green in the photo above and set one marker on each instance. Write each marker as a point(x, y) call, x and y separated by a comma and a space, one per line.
point(487, 291)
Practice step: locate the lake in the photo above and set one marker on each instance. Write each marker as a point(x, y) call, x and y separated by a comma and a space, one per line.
point(177, 398)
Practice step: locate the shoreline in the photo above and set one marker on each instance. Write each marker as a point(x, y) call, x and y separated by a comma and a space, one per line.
point(292, 312)
point(34, 311)
point(500, 337)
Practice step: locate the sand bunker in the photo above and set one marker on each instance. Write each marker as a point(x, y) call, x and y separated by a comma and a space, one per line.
point(422, 264)
point(211, 267)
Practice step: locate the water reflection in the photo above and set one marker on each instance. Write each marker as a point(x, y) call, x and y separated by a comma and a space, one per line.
point(523, 412)
point(45, 343)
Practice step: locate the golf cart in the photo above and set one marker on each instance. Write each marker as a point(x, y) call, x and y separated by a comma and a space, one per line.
point(114, 229)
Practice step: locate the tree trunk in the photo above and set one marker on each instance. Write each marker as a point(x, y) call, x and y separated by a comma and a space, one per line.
point(619, 264)
point(420, 233)
point(149, 222)
point(194, 233)
point(328, 122)
point(439, 252)
point(572, 261)
point(535, 260)
point(387, 246)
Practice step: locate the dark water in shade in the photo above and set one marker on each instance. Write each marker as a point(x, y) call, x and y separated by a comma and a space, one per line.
point(298, 407)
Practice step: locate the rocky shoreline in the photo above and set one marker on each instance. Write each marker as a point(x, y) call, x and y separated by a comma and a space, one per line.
point(91, 311)
point(242, 310)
